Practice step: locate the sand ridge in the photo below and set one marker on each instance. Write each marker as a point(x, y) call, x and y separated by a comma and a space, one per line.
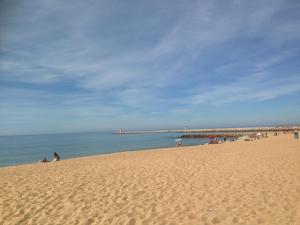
point(255, 182)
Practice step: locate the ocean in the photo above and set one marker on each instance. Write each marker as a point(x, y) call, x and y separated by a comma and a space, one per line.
point(24, 149)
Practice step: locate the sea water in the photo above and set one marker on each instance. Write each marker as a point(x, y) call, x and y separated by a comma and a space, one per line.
point(23, 149)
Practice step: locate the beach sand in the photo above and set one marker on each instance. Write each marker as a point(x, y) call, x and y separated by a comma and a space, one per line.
point(244, 182)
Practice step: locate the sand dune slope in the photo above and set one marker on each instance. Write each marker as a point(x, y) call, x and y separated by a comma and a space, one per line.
point(238, 183)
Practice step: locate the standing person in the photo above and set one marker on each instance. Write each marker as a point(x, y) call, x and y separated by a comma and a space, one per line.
point(56, 157)
point(296, 134)
point(178, 142)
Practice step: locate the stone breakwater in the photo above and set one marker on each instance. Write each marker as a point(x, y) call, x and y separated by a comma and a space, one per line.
point(223, 135)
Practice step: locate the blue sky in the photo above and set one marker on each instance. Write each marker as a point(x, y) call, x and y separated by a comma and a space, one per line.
point(72, 66)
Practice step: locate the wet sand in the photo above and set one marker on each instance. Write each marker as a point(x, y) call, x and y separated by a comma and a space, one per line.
point(244, 182)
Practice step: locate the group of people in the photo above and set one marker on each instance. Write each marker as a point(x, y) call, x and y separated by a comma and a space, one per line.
point(213, 140)
point(56, 158)
point(255, 136)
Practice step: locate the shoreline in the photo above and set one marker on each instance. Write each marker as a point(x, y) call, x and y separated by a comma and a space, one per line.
point(192, 135)
point(237, 139)
point(108, 154)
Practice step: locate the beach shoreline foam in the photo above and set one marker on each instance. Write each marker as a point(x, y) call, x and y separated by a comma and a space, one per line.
point(254, 182)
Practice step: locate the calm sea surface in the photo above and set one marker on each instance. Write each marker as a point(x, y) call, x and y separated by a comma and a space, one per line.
point(32, 148)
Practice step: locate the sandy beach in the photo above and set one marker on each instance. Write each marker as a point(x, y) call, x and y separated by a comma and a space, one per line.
point(243, 182)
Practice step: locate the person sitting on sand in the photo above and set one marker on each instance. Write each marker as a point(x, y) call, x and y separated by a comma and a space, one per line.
point(56, 157)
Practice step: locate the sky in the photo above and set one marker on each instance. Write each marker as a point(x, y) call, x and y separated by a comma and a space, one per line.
point(102, 65)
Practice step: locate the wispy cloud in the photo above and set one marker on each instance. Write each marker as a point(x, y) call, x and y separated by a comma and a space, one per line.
point(255, 88)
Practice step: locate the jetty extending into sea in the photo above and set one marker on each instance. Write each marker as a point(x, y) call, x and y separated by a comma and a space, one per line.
point(210, 130)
